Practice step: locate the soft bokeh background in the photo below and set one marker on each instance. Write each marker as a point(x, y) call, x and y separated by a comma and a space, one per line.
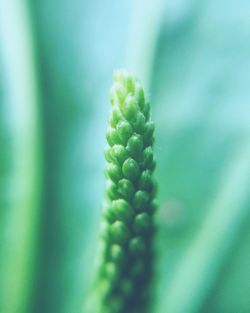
point(56, 65)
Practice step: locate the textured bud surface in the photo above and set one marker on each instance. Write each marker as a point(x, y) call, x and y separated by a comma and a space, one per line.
point(126, 260)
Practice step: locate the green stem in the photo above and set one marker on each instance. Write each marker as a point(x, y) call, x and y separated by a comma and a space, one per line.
point(21, 139)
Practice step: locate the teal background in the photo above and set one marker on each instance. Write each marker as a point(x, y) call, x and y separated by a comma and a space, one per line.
point(56, 65)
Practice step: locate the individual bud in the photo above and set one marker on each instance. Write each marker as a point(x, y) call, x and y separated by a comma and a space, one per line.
point(112, 137)
point(146, 181)
point(115, 117)
point(113, 171)
point(108, 154)
point(124, 131)
point(148, 134)
point(137, 245)
point(146, 110)
point(153, 207)
point(129, 83)
point(120, 232)
point(129, 108)
point(135, 146)
point(142, 223)
point(130, 169)
point(148, 159)
point(153, 165)
point(112, 96)
point(117, 253)
point(141, 200)
point(108, 213)
point(120, 93)
point(126, 188)
point(140, 98)
point(122, 210)
point(119, 153)
point(139, 123)
point(111, 190)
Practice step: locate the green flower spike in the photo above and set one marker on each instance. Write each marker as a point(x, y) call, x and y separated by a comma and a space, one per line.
point(125, 269)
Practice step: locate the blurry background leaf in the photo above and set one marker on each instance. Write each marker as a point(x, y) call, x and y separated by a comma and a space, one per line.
point(20, 159)
point(199, 89)
point(77, 49)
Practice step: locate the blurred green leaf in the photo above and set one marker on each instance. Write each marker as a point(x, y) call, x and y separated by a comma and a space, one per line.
point(75, 63)
point(201, 109)
point(20, 159)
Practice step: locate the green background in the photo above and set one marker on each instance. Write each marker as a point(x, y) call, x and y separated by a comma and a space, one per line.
point(56, 65)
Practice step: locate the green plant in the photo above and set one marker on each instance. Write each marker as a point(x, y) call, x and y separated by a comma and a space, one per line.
point(125, 271)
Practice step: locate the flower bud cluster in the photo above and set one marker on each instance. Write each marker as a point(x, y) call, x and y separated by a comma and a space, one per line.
point(127, 231)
